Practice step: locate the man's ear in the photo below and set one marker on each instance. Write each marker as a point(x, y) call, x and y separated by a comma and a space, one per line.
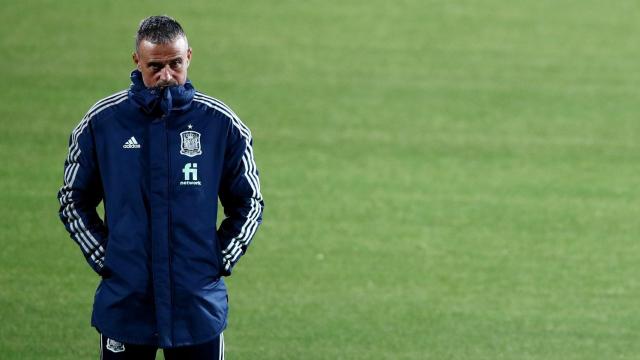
point(136, 59)
point(189, 53)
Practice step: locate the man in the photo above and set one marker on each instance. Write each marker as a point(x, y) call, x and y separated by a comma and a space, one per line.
point(159, 155)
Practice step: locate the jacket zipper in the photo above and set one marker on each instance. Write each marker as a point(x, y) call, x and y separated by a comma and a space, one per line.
point(169, 233)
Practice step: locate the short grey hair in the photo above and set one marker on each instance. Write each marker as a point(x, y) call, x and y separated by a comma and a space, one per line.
point(158, 29)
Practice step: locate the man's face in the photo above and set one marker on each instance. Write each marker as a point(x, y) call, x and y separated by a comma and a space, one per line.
point(163, 64)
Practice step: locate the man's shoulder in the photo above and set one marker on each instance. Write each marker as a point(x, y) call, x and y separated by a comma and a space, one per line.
point(100, 106)
point(215, 105)
point(107, 102)
point(219, 107)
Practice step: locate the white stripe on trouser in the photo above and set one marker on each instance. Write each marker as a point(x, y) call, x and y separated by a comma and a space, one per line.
point(100, 346)
point(221, 347)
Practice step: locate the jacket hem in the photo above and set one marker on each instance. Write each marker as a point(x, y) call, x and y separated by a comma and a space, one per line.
point(199, 341)
point(153, 341)
point(126, 339)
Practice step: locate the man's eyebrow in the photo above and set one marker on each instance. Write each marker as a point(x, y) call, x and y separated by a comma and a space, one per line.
point(160, 63)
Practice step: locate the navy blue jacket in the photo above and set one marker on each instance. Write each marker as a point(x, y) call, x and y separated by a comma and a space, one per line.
point(160, 159)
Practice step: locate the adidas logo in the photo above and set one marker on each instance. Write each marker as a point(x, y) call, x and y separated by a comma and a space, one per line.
point(131, 144)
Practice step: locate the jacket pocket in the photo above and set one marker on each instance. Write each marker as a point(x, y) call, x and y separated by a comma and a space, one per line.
point(219, 261)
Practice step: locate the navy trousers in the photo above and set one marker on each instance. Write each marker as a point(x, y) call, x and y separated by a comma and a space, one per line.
point(115, 350)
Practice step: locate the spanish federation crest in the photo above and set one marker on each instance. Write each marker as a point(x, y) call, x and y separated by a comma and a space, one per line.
point(190, 143)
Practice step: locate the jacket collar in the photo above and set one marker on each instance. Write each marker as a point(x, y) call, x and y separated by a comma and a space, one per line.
point(160, 100)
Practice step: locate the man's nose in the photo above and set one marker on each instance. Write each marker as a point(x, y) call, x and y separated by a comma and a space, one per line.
point(165, 73)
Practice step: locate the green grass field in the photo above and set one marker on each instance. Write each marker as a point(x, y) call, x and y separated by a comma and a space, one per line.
point(443, 179)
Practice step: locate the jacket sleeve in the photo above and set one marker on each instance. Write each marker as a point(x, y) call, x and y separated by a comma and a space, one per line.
point(239, 195)
point(79, 196)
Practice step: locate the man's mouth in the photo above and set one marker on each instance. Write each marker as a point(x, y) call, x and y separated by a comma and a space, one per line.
point(166, 84)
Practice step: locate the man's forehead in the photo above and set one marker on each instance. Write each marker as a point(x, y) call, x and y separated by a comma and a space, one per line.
point(174, 49)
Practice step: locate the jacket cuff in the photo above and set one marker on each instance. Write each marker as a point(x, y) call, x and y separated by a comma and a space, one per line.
point(99, 267)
